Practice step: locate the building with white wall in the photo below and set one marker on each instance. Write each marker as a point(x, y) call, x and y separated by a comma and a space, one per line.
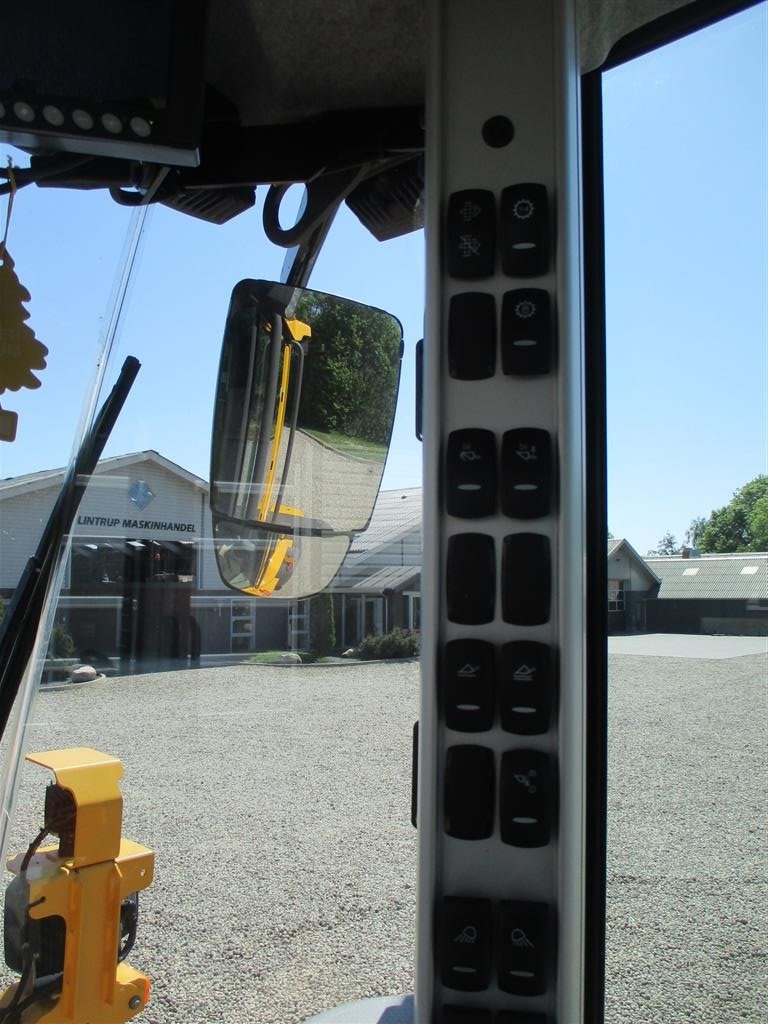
point(141, 582)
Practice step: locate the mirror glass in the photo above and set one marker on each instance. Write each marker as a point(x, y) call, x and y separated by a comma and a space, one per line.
point(264, 563)
point(305, 403)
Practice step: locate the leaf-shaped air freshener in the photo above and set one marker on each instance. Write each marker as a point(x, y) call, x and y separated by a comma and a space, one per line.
point(20, 351)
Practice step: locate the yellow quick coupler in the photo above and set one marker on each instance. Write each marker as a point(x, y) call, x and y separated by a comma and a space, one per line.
point(71, 912)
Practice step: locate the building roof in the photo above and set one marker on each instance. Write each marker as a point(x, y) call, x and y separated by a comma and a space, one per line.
point(392, 577)
point(54, 477)
point(741, 576)
point(618, 546)
point(396, 513)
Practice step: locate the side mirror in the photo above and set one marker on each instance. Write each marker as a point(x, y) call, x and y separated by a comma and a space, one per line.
point(303, 418)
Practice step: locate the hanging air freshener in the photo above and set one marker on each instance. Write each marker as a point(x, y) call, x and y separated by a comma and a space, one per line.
point(20, 350)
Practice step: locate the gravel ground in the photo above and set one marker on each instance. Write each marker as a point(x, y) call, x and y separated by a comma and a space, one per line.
point(278, 800)
point(687, 887)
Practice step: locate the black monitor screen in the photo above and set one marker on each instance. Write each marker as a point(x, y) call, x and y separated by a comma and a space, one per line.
point(96, 49)
point(106, 77)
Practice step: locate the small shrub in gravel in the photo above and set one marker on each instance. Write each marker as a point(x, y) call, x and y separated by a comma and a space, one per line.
point(400, 643)
point(61, 644)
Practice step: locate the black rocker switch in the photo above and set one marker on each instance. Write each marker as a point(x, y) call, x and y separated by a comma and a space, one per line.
point(527, 336)
point(526, 584)
point(526, 948)
point(470, 473)
point(464, 941)
point(524, 230)
point(471, 578)
point(526, 473)
point(472, 336)
point(470, 234)
point(526, 687)
point(467, 685)
point(526, 798)
point(470, 792)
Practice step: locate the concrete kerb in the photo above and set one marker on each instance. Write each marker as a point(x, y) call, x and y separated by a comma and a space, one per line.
point(59, 685)
point(340, 663)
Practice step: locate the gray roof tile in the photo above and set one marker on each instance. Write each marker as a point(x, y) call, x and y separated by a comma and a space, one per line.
point(742, 576)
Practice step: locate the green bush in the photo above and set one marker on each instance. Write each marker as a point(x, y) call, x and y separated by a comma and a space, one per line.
point(322, 627)
point(400, 643)
point(61, 644)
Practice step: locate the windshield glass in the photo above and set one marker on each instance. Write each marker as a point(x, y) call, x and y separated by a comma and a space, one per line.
point(686, 201)
point(238, 743)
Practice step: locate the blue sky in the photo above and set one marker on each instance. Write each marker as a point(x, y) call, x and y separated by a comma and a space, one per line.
point(686, 235)
point(686, 174)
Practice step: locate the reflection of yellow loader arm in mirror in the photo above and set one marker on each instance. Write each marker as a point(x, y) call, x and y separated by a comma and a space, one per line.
point(277, 566)
point(299, 331)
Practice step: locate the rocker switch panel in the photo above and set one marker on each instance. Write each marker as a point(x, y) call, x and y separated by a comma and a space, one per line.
point(525, 230)
point(505, 431)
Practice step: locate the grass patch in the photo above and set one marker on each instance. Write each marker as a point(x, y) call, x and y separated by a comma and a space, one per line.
point(356, 447)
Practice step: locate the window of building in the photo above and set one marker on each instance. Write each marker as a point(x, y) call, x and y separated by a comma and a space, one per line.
point(414, 611)
point(241, 627)
point(616, 590)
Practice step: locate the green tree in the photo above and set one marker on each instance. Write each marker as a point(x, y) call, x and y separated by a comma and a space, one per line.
point(742, 524)
point(694, 531)
point(322, 625)
point(667, 545)
point(351, 369)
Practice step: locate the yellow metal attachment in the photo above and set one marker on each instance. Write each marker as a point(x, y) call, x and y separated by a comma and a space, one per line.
point(299, 330)
point(87, 888)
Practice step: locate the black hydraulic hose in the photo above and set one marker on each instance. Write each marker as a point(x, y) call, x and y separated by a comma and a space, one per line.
point(19, 627)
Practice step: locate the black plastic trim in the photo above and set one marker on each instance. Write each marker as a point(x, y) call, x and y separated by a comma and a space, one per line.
point(669, 27)
point(597, 550)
